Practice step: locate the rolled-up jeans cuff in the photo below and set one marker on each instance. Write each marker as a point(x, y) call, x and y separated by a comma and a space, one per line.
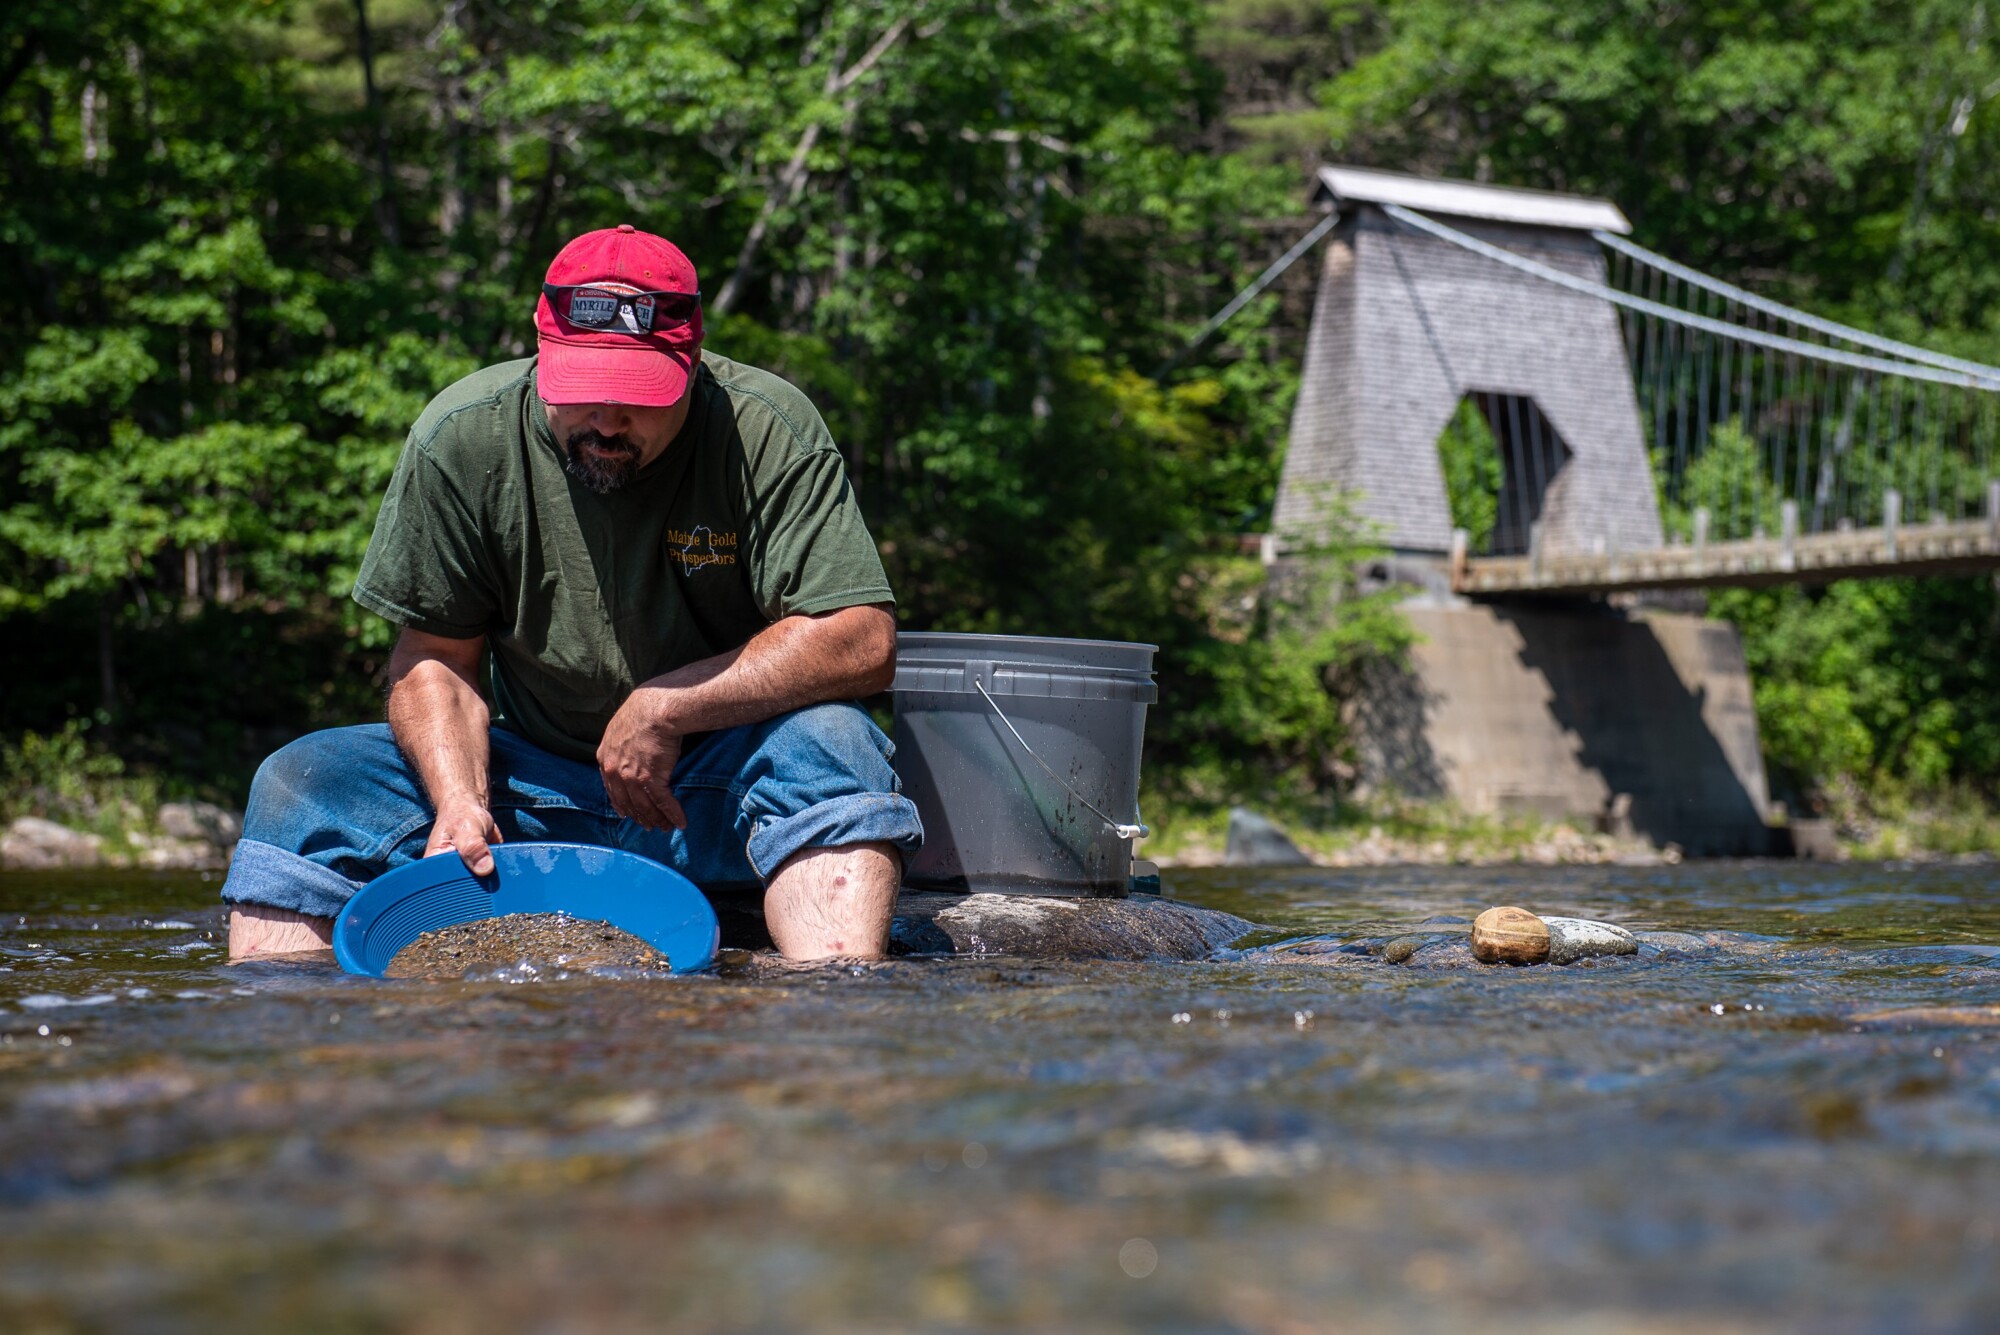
point(858, 818)
point(267, 875)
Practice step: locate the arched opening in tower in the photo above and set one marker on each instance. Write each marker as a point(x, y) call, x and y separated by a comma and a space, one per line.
point(1500, 455)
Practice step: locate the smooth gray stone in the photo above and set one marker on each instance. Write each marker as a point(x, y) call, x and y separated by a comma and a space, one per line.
point(1140, 927)
point(1255, 841)
point(1573, 939)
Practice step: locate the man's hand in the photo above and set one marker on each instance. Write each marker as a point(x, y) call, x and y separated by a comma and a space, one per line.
point(637, 757)
point(465, 827)
point(440, 722)
point(793, 662)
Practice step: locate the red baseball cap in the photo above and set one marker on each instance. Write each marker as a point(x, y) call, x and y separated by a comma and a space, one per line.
point(619, 319)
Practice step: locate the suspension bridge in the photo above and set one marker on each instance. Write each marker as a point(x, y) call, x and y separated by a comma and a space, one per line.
point(1644, 425)
point(1526, 407)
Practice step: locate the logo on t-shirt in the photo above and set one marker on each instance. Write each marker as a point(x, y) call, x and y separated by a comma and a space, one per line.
point(701, 548)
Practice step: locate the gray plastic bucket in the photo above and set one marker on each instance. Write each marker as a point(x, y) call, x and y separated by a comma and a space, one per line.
point(1009, 808)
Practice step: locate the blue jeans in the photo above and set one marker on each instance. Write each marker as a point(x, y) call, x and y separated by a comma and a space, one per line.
point(335, 809)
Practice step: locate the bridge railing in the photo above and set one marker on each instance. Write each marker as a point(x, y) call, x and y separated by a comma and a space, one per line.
point(1935, 547)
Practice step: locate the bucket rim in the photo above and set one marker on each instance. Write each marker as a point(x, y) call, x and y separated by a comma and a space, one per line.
point(970, 636)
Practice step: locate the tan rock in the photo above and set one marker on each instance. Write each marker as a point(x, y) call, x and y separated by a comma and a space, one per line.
point(1509, 936)
point(34, 844)
point(201, 821)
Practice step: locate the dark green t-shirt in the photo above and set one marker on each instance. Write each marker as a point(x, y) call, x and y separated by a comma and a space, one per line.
point(747, 517)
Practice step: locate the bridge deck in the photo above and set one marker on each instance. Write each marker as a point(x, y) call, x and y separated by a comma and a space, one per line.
point(1818, 558)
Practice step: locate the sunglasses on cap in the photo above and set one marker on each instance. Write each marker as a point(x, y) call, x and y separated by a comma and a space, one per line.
point(595, 306)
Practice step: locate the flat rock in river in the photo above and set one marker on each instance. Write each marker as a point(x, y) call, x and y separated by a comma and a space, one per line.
point(1140, 927)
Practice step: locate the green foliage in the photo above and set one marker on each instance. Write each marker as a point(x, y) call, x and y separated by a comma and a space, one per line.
point(67, 778)
point(1255, 704)
point(1729, 480)
point(959, 226)
point(1470, 458)
point(965, 229)
point(1889, 678)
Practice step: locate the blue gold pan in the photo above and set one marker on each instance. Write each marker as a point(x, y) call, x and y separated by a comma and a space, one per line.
point(635, 894)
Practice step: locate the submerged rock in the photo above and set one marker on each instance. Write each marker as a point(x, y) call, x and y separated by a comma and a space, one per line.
point(1446, 953)
point(1255, 841)
point(1573, 939)
point(1320, 951)
point(1141, 927)
point(1687, 943)
point(1940, 1017)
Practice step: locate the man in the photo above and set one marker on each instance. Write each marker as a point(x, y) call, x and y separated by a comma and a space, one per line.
point(662, 557)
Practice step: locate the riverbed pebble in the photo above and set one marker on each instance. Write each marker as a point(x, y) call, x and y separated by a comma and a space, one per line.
point(1573, 939)
point(1509, 935)
point(1403, 947)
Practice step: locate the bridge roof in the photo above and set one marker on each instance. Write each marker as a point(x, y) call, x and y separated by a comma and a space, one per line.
point(1464, 199)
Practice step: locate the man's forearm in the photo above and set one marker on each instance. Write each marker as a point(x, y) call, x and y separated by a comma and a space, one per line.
point(440, 722)
point(799, 661)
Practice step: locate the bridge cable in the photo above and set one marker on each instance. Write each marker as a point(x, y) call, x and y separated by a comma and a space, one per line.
point(1831, 328)
point(1985, 378)
point(1250, 293)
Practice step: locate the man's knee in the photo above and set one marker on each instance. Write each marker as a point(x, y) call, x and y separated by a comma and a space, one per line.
point(312, 772)
point(835, 736)
point(288, 771)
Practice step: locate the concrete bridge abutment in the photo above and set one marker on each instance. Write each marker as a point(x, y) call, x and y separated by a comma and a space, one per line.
point(1639, 721)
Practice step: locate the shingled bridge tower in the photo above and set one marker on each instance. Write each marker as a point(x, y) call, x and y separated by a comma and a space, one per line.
point(1406, 327)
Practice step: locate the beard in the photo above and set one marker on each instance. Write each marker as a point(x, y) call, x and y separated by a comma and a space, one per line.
point(602, 473)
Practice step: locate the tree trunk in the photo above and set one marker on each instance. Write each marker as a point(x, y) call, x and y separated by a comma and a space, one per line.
point(385, 201)
point(107, 666)
point(791, 177)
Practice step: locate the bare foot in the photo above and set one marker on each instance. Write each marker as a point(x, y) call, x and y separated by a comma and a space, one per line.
point(824, 902)
point(256, 930)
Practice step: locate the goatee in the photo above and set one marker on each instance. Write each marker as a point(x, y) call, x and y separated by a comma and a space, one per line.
point(601, 472)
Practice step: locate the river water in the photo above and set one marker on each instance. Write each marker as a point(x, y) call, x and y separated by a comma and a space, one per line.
point(1707, 1142)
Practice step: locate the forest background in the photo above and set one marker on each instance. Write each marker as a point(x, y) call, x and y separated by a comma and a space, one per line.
point(246, 240)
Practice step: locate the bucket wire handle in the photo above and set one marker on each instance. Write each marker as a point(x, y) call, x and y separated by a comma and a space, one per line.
point(1137, 830)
